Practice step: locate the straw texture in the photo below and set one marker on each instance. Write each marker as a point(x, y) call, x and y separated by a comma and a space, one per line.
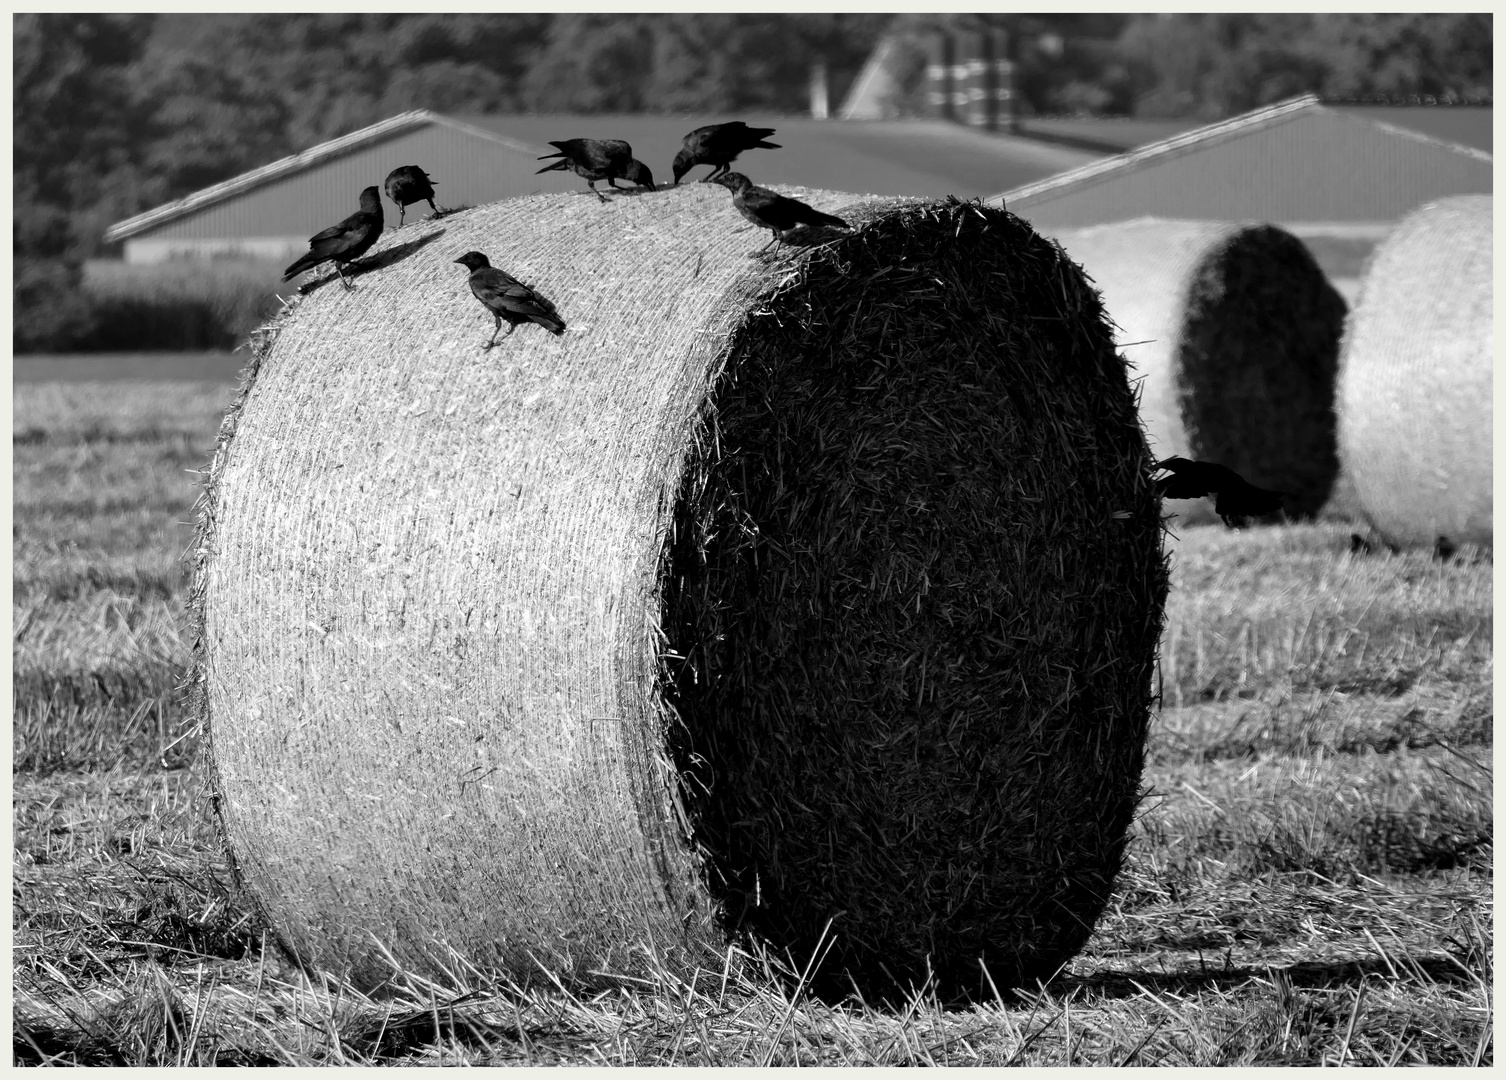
point(1236, 333)
point(1414, 402)
point(775, 592)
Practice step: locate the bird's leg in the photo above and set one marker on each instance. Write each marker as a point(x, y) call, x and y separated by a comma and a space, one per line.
point(592, 185)
point(340, 269)
point(401, 211)
point(772, 238)
point(495, 328)
point(432, 206)
point(510, 328)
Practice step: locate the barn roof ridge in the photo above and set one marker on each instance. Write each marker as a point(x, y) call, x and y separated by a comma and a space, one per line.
point(1222, 129)
point(295, 163)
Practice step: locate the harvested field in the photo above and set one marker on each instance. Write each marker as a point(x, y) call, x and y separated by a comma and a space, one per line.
point(1308, 880)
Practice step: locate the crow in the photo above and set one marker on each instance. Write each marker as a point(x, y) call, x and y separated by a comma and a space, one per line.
point(508, 298)
point(773, 211)
point(408, 184)
point(600, 159)
point(1237, 497)
point(345, 242)
point(718, 145)
point(1444, 548)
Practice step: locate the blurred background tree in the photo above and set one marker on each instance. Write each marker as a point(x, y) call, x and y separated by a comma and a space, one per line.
point(116, 113)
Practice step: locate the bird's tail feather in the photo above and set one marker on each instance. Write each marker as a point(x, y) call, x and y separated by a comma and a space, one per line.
point(301, 265)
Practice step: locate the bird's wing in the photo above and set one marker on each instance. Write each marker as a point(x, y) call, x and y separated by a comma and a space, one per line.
point(767, 207)
point(610, 153)
point(501, 291)
point(338, 238)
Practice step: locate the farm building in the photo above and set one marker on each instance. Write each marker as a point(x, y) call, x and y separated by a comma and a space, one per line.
point(1320, 169)
point(272, 211)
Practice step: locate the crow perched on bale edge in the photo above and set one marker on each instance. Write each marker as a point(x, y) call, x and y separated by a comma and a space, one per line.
point(1237, 497)
point(770, 210)
point(409, 184)
point(718, 145)
point(345, 242)
point(599, 159)
point(508, 298)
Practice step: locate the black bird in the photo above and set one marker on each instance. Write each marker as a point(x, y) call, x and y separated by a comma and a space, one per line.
point(409, 184)
point(1237, 497)
point(1358, 545)
point(345, 242)
point(599, 159)
point(719, 145)
point(770, 210)
point(1444, 548)
point(508, 298)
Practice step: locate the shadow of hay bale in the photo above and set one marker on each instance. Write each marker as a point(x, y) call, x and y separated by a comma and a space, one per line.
point(1414, 402)
point(1236, 332)
point(768, 596)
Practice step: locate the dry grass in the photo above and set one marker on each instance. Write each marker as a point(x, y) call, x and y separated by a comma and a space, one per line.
point(1309, 882)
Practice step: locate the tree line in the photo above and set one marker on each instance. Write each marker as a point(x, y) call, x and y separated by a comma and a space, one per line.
point(114, 114)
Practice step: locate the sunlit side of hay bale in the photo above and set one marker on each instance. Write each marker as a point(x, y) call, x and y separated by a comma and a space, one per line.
point(1415, 390)
point(1235, 330)
point(772, 594)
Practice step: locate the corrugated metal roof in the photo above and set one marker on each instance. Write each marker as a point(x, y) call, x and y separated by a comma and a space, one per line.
point(1213, 134)
point(298, 163)
point(901, 157)
point(1177, 143)
point(879, 157)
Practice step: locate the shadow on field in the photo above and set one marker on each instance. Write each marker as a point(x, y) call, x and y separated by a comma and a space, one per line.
point(370, 263)
point(1303, 976)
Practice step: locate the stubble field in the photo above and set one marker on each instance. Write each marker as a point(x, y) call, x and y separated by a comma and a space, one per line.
point(1309, 880)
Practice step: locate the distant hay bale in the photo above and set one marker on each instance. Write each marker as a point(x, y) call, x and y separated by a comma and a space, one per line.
point(1236, 331)
point(772, 594)
point(1414, 400)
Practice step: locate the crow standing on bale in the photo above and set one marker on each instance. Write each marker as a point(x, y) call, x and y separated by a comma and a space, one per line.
point(345, 242)
point(409, 184)
point(770, 210)
point(1237, 497)
point(508, 298)
point(599, 159)
point(719, 145)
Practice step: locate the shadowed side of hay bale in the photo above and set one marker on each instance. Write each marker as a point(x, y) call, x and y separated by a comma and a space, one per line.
point(1236, 332)
point(913, 587)
point(554, 653)
point(1414, 405)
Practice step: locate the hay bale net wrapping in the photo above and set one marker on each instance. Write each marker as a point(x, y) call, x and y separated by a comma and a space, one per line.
point(772, 593)
point(1415, 390)
point(1235, 331)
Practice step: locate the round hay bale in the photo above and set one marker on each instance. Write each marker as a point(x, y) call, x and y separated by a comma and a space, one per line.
point(1235, 330)
point(1414, 398)
point(778, 597)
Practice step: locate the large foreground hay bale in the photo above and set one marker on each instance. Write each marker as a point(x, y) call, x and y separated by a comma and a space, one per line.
point(1414, 400)
point(1236, 332)
point(772, 594)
